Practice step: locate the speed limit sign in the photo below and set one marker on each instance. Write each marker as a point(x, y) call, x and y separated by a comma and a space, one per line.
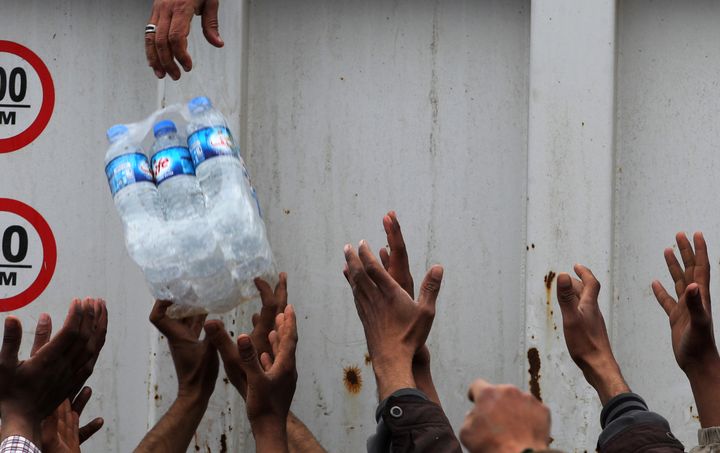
point(28, 254)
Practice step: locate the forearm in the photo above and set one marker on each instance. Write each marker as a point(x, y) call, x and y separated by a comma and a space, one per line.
point(300, 439)
point(705, 383)
point(174, 431)
point(424, 381)
point(270, 436)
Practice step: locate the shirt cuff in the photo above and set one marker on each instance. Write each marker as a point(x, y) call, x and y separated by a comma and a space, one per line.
point(620, 405)
point(709, 436)
point(396, 393)
point(18, 444)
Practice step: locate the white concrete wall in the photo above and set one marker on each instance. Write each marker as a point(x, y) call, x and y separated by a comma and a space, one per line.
point(513, 140)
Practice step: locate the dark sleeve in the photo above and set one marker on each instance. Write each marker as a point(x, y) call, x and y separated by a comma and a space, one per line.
point(630, 427)
point(409, 422)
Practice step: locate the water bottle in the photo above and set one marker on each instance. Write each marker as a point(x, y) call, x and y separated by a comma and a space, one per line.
point(231, 204)
point(200, 257)
point(138, 203)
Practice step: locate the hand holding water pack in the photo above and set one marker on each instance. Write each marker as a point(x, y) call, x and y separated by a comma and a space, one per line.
point(191, 217)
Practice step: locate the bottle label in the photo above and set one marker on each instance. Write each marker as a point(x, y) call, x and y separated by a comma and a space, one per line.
point(210, 142)
point(126, 170)
point(172, 162)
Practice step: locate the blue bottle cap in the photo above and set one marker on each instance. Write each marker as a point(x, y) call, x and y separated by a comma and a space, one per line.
point(164, 127)
point(115, 132)
point(199, 104)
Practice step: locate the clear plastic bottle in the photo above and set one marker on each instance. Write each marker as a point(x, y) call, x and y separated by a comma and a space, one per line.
point(138, 203)
point(231, 204)
point(200, 257)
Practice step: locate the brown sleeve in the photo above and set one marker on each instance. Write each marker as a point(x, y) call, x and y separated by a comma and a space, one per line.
point(418, 425)
point(643, 438)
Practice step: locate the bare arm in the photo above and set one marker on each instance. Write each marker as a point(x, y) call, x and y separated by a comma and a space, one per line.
point(300, 439)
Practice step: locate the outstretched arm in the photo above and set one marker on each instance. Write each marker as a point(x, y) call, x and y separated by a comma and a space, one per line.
point(196, 364)
point(691, 325)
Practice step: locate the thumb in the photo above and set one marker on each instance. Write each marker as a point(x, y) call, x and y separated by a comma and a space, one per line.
point(210, 24)
point(430, 287)
point(693, 299)
point(566, 294)
point(249, 357)
point(11, 341)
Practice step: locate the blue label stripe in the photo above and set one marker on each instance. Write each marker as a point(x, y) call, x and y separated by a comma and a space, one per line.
point(172, 162)
point(126, 170)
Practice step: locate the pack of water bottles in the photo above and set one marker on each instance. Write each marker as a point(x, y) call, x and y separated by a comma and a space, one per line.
point(191, 216)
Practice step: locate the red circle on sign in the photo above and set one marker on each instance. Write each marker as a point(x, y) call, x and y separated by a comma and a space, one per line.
point(27, 136)
point(47, 268)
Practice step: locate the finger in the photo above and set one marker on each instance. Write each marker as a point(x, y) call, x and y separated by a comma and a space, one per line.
point(266, 293)
point(12, 337)
point(87, 431)
point(374, 270)
point(255, 319)
point(356, 275)
point(288, 338)
point(210, 23)
point(177, 36)
point(150, 50)
point(384, 258)
point(81, 400)
point(67, 335)
point(698, 315)
point(430, 287)
point(266, 361)
point(197, 324)
point(281, 294)
point(676, 271)
point(664, 299)
point(162, 44)
point(477, 388)
point(215, 331)
point(43, 331)
point(591, 285)
point(701, 275)
point(687, 254)
point(398, 250)
point(248, 358)
point(274, 342)
point(266, 319)
point(171, 328)
point(567, 295)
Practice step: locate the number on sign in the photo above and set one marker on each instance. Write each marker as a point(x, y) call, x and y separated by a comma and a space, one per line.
point(15, 85)
point(7, 240)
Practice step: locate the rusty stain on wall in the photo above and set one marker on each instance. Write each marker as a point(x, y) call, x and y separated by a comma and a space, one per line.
point(534, 360)
point(368, 360)
point(352, 379)
point(223, 443)
point(548, 279)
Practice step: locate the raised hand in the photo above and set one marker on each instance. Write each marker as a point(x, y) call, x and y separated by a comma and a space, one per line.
point(168, 42)
point(269, 383)
point(585, 333)
point(691, 325)
point(396, 263)
point(32, 389)
point(395, 325)
point(196, 361)
point(690, 314)
point(504, 420)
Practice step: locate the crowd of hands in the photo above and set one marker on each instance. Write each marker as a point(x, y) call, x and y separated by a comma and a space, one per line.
point(42, 397)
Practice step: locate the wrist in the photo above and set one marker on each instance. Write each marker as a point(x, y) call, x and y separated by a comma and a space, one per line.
point(270, 433)
point(392, 376)
point(705, 370)
point(606, 378)
point(26, 426)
